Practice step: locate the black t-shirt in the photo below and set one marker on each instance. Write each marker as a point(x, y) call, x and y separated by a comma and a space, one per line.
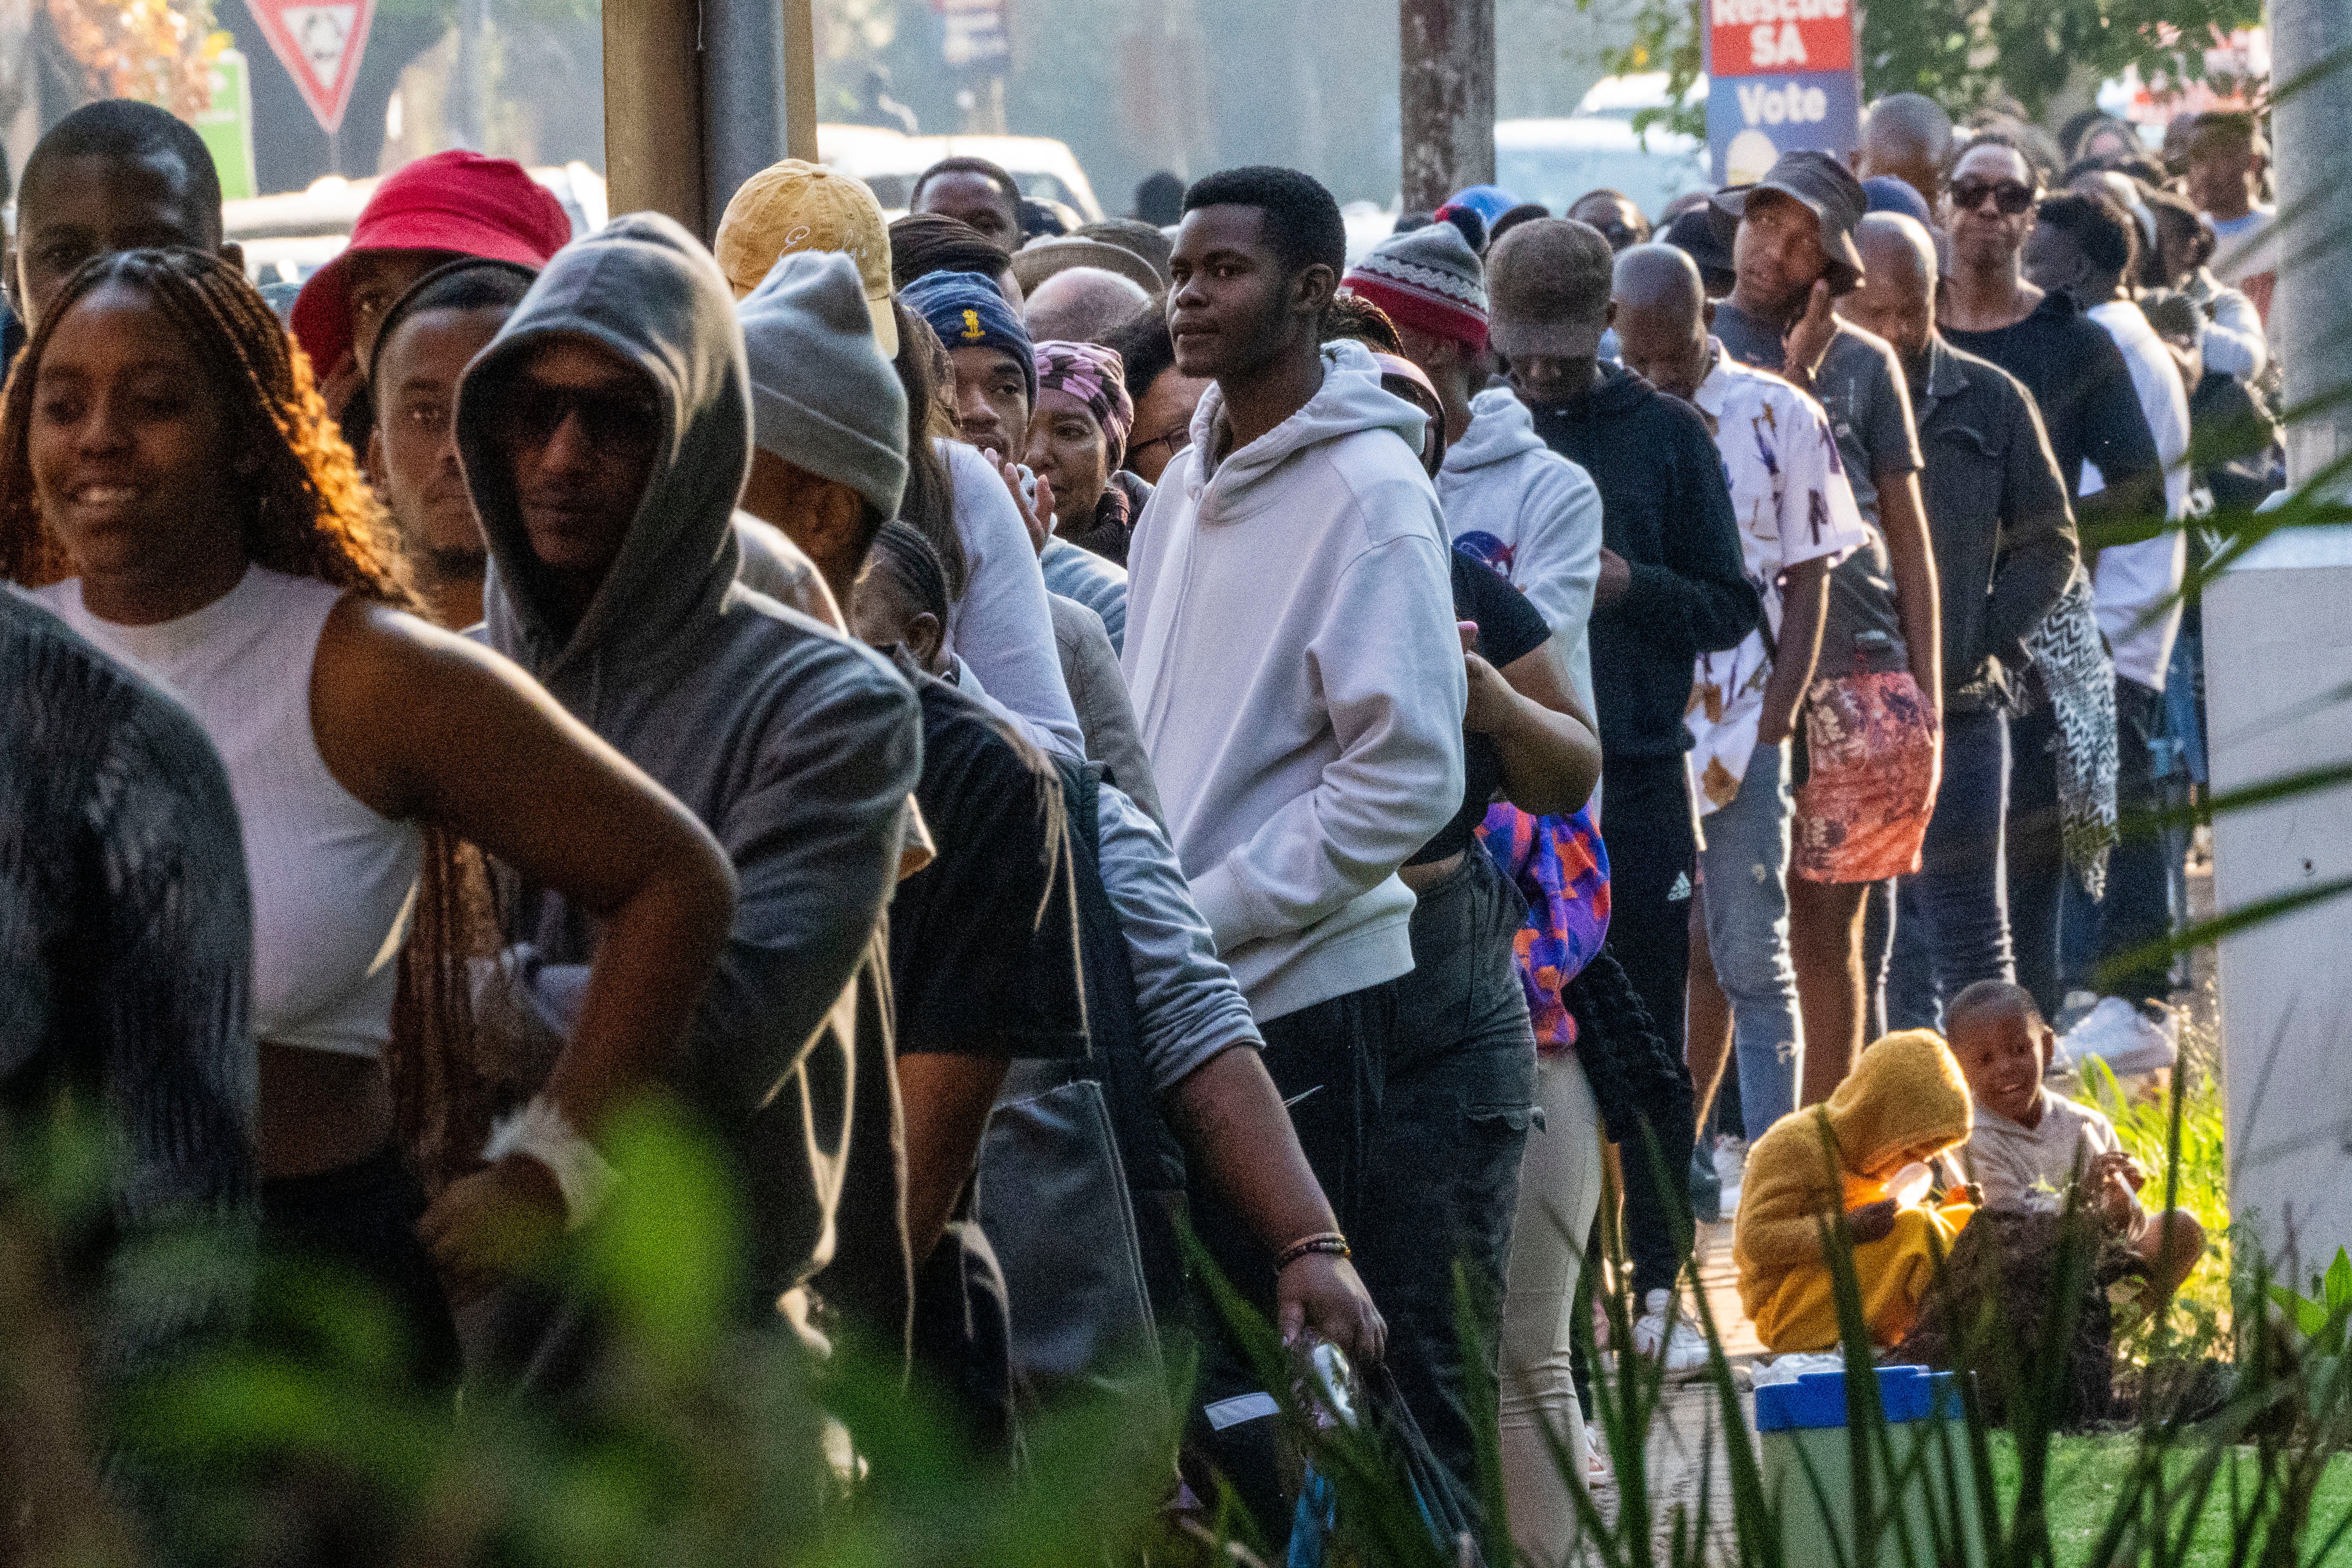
point(2083, 387)
point(984, 940)
point(1509, 629)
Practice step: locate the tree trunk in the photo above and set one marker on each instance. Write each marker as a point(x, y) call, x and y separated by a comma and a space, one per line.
point(1446, 88)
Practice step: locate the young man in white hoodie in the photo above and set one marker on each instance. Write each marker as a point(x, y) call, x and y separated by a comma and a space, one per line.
point(1510, 500)
point(1299, 684)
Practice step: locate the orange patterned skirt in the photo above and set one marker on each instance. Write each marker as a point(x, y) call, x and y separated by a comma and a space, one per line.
point(1875, 758)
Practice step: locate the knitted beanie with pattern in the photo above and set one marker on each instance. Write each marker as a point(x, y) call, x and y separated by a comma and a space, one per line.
point(1428, 280)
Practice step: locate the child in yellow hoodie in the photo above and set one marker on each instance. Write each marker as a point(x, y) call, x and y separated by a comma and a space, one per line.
point(1904, 1103)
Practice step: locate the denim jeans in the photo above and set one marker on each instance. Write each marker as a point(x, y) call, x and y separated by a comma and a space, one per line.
point(1951, 924)
point(1443, 1168)
point(2137, 907)
point(2035, 854)
point(1744, 891)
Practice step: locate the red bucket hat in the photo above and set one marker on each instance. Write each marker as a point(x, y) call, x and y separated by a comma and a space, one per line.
point(456, 200)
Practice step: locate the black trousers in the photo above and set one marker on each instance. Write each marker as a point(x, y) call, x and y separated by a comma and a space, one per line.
point(1652, 851)
point(360, 1222)
point(1329, 1063)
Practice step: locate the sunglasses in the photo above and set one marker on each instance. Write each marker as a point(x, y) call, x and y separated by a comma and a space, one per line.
point(2010, 197)
point(531, 413)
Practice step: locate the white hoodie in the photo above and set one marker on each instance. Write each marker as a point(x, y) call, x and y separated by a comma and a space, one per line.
point(1298, 682)
point(1501, 481)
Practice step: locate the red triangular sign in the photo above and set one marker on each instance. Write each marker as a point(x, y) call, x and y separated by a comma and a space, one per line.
point(318, 42)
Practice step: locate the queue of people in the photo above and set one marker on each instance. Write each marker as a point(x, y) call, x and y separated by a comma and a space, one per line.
point(1394, 729)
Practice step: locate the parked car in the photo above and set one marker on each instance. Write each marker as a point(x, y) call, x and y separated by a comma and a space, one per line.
point(288, 237)
point(1555, 161)
point(888, 160)
point(1622, 97)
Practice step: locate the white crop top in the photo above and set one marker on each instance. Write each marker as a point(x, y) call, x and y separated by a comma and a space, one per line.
point(331, 878)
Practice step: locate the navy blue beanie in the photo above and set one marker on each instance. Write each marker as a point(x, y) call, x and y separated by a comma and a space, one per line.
point(966, 312)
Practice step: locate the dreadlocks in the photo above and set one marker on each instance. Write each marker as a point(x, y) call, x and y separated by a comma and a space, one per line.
point(307, 513)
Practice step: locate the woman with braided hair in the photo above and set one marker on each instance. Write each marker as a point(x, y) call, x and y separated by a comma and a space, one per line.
point(172, 485)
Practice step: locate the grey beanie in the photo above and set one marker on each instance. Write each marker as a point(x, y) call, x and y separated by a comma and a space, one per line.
point(823, 397)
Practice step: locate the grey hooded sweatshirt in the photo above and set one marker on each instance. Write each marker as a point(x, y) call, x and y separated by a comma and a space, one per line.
point(795, 746)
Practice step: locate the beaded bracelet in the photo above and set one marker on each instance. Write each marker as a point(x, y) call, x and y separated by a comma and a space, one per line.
point(1327, 1242)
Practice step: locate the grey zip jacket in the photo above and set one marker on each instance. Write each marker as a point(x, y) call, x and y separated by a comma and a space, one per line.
point(795, 747)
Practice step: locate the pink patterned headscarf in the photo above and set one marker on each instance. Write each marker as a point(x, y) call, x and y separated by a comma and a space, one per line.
point(1094, 379)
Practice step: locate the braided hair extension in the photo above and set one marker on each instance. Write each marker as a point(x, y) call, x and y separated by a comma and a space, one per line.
point(308, 512)
point(905, 559)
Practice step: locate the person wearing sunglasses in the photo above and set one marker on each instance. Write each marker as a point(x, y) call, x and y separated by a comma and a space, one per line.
point(2092, 414)
point(606, 433)
point(1621, 223)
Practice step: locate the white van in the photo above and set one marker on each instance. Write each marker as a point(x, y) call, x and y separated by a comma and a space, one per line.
point(1554, 162)
point(888, 160)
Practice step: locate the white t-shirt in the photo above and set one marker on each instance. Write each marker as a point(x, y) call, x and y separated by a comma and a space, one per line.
point(1794, 505)
point(2029, 1169)
point(2131, 580)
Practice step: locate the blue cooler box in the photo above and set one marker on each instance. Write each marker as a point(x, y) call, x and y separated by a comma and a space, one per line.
point(1922, 1487)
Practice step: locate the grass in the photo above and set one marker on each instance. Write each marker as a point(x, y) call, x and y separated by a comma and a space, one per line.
point(2087, 1475)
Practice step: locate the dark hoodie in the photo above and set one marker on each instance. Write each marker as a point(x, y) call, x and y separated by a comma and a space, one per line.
point(795, 746)
point(1665, 507)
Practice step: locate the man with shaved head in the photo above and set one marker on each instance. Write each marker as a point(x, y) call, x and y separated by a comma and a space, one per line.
point(1082, 305)
point(1797, 519)
point(1908, 136)
point(2005, 548)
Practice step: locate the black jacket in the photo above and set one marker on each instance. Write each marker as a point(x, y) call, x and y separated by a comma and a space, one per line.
point(1667, 508)
point(2004, 535)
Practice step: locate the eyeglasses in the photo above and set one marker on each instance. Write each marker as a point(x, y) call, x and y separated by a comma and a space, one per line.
point(2010, 197)
point(531, 413)
point(1175, 438)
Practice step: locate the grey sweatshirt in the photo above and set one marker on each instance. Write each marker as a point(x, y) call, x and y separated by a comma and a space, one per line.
point(795, 746)
point(1099, 691)
point(1187, 1008)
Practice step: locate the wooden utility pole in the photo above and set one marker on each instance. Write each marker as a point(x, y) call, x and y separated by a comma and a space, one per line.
point(700, 95)
point(1447, 87)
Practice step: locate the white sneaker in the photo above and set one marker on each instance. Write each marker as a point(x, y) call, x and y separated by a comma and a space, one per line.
point(2128, 1039)
point(2074, 1009)
point(1730, 1163)
point(1682, 1352)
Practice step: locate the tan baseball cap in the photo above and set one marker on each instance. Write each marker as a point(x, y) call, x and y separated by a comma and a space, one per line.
point(794, 206)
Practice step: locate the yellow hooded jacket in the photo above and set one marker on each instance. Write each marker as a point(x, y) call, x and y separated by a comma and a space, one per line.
point(1904, 1101)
